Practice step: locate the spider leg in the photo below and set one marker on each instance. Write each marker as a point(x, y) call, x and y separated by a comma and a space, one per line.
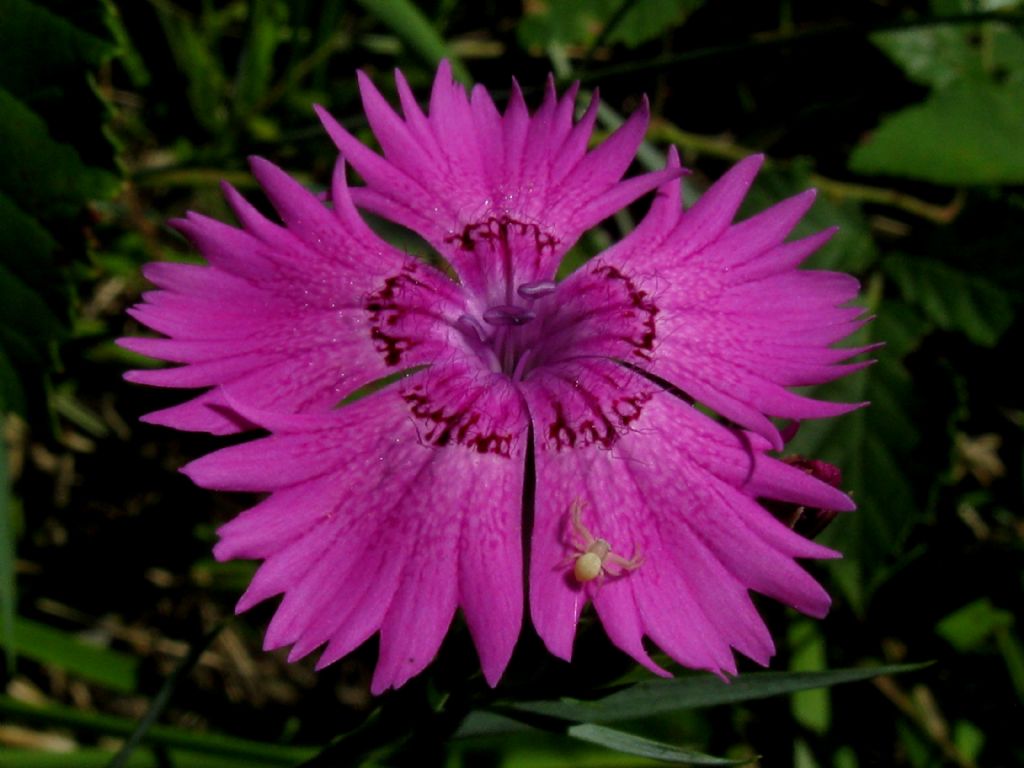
point(584, 534)
point(627, 565)
point(568, 560)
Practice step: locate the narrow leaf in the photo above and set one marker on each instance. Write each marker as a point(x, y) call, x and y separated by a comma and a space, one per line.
point(207, 84)
point(267, 28)
point(409, 23)
point(163, 698)
point(621, 741)
point(48, 645)
point(58, 716)
point(696, 691)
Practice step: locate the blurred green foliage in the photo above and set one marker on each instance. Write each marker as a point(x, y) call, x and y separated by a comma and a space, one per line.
point(587, 22)
point(908, 117)
point(970, 129)
point(44, 182)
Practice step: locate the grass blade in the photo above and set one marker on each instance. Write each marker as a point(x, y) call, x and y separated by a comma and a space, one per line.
point(660, 696)
point(409, 23)
point(630, 744)
point(163, 697)
point(258, 753)
point(48, 645)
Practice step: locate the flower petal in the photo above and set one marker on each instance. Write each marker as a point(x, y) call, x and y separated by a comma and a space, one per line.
point(385, 515)
point(457, 173)
point(678, 490)
point(730, 320)
point(293, 317)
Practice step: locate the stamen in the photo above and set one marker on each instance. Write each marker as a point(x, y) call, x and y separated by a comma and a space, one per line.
point(536, 290)
point(524, 360)
point(477, 340)
point(508, 314)
point(471, 328)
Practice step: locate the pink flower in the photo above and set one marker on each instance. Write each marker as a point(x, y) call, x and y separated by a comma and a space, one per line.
point(388, 513)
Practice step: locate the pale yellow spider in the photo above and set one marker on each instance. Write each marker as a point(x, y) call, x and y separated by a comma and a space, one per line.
point(594, 555)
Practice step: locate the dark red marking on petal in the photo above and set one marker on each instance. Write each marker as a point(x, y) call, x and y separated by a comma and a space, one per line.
point(458, 426)
point(386, 310)
point(605, 425)
point(628, 409)
point(640, 304)
point(497, 229)
point(560, 433)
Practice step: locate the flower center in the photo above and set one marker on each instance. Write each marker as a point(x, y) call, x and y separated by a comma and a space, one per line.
point(502, 336)
point(507, 268)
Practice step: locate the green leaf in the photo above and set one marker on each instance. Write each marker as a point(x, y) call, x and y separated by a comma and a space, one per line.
point(25, 243)
point(969, 739)
point(695, 691)
point(1007, 51)
point(47, 645)
point(194, 56)
point(936, 55)
point(813, 708)
point(26, 323)
point(268, 28)
point(27, 331)
point(1012, 650)
point(630, 744)
point(583, 22)
point(408, 22)
point(482, 722)
point(533, 748)
point(12, 396)
point(38, 48)
point(51, 139)
point(971, 132)
point(872, 446)
point(951, 298)
point(41, 174)
point(58, 716)
point(646, 20)
point(559, 23)
point(802, 755)
point(968, 627)
point(942, 54)
point(845, 757)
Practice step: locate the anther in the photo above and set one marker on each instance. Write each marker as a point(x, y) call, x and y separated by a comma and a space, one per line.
point(536, 290)
point(507, 314)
